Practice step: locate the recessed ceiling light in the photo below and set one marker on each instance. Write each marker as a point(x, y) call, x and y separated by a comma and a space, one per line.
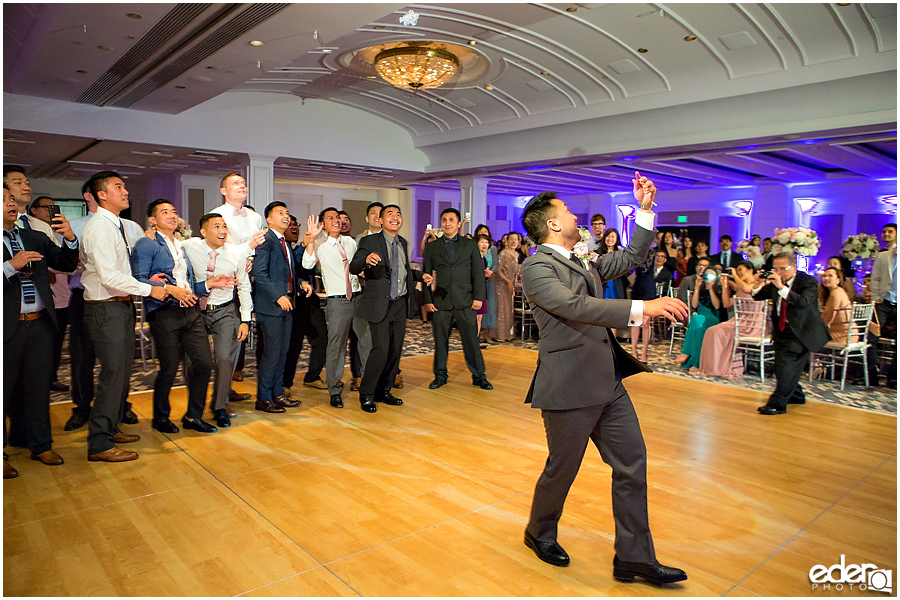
point(572, 9)
point(130, 37)
point(326, 51)
point(105, 47)
point(82, 71)
point(690, 38)
point(256, 43)
point(545, 73)
point(212, 68)
point(180, 87)
point(473, 42)
point(379, 27)
point(643, 50)
point(489, 87)
point(134, 16)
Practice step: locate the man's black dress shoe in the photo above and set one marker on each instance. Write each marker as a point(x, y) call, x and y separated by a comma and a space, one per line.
point(129, 418)
point(438, 382)
point(56, 386)
point(770, 410)
point(76, 421)
point(268, 407)
point(549, 552)
point(389, 399)
point(198, 425)
point(482, 382)
point(166, 426)
point(367, 403)
point(652, 572)
point(285, 403)
point(222, 418)
point(797, 401)
point(336, 401)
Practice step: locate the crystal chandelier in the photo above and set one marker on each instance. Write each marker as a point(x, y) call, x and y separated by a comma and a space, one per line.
point(416, 66)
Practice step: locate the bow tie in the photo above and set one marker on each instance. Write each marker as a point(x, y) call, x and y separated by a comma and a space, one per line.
point(242, 211)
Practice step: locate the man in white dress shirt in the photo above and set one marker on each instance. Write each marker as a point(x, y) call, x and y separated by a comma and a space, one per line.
point(333, 253)
point(109, 314)
point(211, 256)
point(81, 349)
point(883, 287)
point(17, 183)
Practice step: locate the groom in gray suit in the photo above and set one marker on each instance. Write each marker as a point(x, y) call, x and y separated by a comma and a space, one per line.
point(578, 381)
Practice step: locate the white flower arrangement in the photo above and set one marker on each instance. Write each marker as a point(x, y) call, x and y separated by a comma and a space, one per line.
point(581, 249)
point(861, 245)
point(799, 240)
point(183, 230)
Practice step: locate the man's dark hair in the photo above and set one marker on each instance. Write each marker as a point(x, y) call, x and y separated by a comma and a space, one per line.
point(451, 210)
point(537, 212)
point(98, 181)
point(86, 188)
point(663, 252)
point(209, 217)
point(891, 225)
point(373, 205)
point(790, 256)
point(272, 206)
point(151, 209)
point(7, 169)
point(34, 203)
point(725, 237)
point(384, 208)
point(325, 210)
point(343, 212)
point(598, 216)
point(294, 219)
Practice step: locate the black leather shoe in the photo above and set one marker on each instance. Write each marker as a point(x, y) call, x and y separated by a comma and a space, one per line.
point(223, 418)
point(797, 401)
point(268, 407)
point(198, 425)
point(482, 382)
point(367, 403)
point(336, 401)
point(285, 403)
point(129, 418)
point(549, 552)
point(389, 399)
point(438, 382)
point(770, 410)
point(56, 386)
point(652, 572)
point(166, 426)
point(76, 421)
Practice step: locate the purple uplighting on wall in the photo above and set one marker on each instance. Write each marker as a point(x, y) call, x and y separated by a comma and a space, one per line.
point(627, 212)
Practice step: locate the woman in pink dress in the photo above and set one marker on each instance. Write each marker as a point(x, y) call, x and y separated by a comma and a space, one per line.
point(836, 312)
point(715, 354)
point(504, 286)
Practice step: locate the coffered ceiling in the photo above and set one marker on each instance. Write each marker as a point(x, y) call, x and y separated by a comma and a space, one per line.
point(527, 67)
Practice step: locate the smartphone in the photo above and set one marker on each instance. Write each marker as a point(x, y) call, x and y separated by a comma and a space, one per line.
point(53, 209)
point(429, 227)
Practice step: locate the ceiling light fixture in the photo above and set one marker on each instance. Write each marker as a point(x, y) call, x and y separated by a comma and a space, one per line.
point(690, 38)
point(642, 50)
point(416, 66)
point(473, 42)
point(572, 9)
point(256, 43)
point(133, 16)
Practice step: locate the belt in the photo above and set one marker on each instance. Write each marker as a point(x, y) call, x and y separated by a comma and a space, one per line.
point(889, 302)
point(218, 306)
point(33, 316)
point(113, 299)
point(355, 294)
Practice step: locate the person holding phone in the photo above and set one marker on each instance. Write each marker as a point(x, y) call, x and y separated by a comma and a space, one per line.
point(707, 302)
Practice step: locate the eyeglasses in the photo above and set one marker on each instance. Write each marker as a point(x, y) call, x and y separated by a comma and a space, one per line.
point(787, 268)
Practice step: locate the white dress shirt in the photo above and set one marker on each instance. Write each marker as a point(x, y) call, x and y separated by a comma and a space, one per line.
point(133, 233)
point(231, 261)
point(331, 265)
point(107, 266)
point(179, 271)
point(240, 229)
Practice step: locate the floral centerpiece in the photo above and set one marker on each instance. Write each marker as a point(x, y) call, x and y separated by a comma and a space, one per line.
point(183, 230)
point(581, 249)
point(861, 245)
point(799, 240)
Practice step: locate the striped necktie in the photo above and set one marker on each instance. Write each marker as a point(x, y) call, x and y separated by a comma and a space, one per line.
point(29, 294)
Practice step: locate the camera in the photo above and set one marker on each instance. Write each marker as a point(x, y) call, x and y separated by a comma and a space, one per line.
point(764, 274)
point(710, 277)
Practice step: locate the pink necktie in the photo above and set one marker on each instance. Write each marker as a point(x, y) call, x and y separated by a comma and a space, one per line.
point(346, 269)
point(240, 212)
point(210, 270)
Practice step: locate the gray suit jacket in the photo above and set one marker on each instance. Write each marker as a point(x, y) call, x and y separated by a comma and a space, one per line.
point(578, 357)
point(880, 282)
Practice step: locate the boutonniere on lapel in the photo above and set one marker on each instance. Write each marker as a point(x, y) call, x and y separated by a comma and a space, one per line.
point(581, 248)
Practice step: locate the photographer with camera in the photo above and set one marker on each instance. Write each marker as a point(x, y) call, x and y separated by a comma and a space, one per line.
point(707, 302)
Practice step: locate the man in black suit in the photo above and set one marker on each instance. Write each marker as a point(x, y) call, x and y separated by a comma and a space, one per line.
point(29, 324)
point(797, 330)
point(661, 274)
point(453, 263)
point(725, 257)
point(273, 298)
point(384, 304)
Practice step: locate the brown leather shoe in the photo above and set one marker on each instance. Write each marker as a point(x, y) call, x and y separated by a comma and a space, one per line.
point(114, 454)
point(125, 438)
point(269, 407)
point(234, 396)
point(285, 403)
point(398, 381)
point(9, 471)
point(317, 384)
point(238, 376)
point(48, 458)
point(354, 384)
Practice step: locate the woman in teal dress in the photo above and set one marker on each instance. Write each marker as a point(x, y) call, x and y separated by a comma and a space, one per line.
point(707, 302)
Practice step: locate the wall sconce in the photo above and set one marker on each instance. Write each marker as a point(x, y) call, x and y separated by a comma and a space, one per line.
point(806, 207)
point(891, 201)
point(627, 213)
point(745, 207)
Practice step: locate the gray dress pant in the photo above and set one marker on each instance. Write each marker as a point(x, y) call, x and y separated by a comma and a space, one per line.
point(340, 315)
point(222, 324)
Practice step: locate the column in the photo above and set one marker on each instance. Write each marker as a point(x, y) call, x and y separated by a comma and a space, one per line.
point(259, 171)
point(473, 201)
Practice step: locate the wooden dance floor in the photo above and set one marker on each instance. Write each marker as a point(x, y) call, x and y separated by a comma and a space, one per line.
point(431, 498)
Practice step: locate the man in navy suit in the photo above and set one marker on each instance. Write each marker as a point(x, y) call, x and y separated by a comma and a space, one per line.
point(274, 272)
point(29, 324)
point(175, 323)
point(726, 257)
point(384, 304)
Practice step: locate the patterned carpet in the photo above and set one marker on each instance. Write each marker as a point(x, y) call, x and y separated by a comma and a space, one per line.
point(419, 342)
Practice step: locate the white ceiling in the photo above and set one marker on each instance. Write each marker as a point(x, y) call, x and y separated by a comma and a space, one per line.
point(551, 96)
